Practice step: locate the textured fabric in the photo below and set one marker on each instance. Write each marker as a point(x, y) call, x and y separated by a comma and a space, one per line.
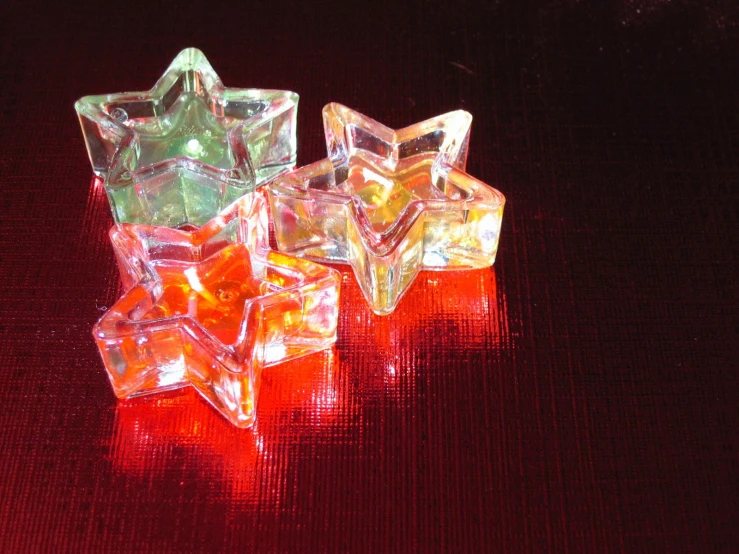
point(579, 397)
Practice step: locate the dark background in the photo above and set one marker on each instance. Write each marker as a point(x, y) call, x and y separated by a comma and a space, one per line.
point(579, 397)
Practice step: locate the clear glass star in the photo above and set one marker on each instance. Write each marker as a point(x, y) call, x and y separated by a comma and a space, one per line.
point(239, 138)
point(389, 202)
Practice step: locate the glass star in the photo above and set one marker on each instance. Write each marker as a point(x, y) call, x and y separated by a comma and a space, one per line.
point(390, 203)
point(211, 308)
point(242, 138)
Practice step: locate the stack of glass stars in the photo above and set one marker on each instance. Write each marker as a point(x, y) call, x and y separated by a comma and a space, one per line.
point(193, 170)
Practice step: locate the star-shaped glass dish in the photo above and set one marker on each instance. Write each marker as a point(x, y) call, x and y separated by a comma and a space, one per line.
point(211, 308)
point(390, 203)
point(230, 141)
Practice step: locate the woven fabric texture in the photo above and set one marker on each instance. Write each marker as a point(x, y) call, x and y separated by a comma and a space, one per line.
point(580, 396)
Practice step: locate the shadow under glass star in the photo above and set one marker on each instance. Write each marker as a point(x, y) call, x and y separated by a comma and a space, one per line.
point(240, 137)
point(390, 203)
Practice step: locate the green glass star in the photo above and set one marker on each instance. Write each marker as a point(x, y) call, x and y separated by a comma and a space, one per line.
point(219, 142)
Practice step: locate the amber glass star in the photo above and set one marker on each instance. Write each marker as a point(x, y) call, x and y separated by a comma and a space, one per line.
point(390, 203)
point(211, 308)
point(238, 138)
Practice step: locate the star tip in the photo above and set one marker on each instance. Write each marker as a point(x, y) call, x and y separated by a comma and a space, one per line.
point(500, 197)
point(190, 52)
point(335, 114)
point(115, 231)
point(122, 232)
point(190, 58)
point(86, 105)
point(334, 108)
point(288, 97)
point(464, 115)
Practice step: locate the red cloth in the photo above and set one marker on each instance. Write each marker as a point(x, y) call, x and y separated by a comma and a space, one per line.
point(580, 397)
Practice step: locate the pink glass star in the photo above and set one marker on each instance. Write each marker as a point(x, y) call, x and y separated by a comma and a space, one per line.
point(211, 308)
